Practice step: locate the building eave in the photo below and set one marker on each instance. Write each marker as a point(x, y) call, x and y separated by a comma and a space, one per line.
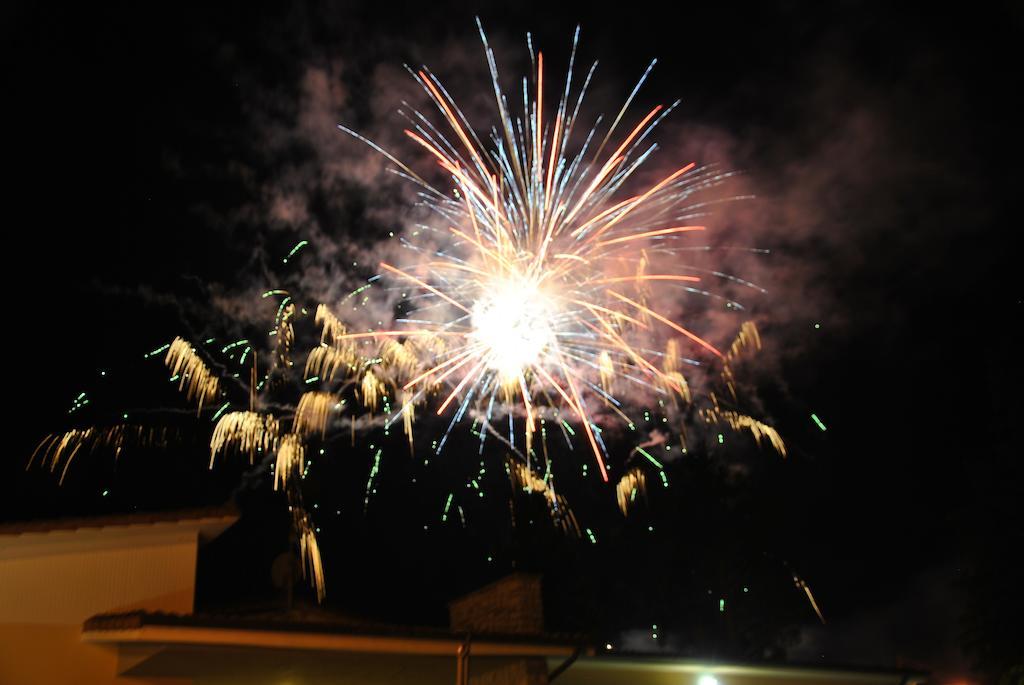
point(169, 630)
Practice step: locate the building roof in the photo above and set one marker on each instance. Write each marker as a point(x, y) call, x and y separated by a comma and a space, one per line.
point(117, 520)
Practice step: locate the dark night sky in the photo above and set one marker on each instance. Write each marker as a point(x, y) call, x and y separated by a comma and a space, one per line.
point(147, 148)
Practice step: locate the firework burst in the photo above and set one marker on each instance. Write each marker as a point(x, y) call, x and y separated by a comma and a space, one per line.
point(544, 291)
point(543, 300)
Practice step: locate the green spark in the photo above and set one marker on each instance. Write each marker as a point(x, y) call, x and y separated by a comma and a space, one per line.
point(220, 411)
point(157, 351)
point(651, 459)
point(231, 346)
point(816, 420)
point(298, 246)
point(447, 505)
point(284, 303)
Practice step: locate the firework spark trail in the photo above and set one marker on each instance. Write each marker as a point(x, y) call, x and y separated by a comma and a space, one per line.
point(55, 449)
point(291, 459)
point(195, 378)
point(524, 479)
point(801, 584)
point(309, 548)
point(313, 412)
point(634, 482)
point(246, 431)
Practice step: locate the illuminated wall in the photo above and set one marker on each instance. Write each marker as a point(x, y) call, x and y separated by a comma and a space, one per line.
point(51, 581)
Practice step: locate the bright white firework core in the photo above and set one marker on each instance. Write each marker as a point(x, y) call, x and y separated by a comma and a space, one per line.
point(514, 322)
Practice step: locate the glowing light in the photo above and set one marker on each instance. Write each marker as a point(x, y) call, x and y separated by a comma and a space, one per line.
point(814, 417)
point(513, 321)
point(707, 679)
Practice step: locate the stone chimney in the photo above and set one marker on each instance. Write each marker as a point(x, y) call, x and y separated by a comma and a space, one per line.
point(511, 606)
